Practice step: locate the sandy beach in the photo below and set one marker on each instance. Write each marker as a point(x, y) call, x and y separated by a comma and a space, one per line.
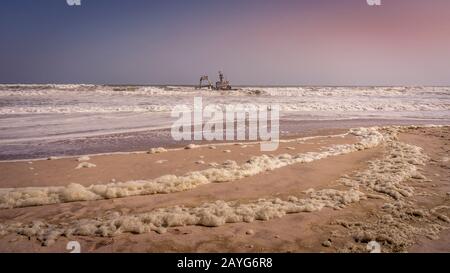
point(330, 192)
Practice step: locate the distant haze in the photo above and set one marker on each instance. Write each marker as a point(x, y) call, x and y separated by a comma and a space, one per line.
point(255, 42)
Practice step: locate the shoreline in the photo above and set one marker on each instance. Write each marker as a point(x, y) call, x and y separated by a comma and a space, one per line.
point(141, 141)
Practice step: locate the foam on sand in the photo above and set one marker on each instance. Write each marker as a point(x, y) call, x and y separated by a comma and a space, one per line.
point(191, 146)
point(396, 227)
point(85, 165)
point(398, 222)
point(83, 158)
point(157, 150)
point(211, 214)
point(387, 175)
point(401, 219)
point(21, 197)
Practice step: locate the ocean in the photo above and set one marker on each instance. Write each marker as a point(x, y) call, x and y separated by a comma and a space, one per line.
point(43, 120)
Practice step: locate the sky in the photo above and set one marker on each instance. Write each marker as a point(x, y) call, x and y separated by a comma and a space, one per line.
point(255, 42)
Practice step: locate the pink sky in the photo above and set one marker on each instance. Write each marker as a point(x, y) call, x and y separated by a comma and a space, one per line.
point(279, 42)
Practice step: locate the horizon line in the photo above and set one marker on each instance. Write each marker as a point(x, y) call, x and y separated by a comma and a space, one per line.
point(237, 85)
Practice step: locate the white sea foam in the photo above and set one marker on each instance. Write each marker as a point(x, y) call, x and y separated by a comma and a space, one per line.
point(83, 158)
point(208, 214)
point(157, 150)
point(402, 219)
point(387, 175)
point(85, 165)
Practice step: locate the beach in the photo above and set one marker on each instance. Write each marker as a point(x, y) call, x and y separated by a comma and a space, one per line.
point(349, 171)
point(411, 215)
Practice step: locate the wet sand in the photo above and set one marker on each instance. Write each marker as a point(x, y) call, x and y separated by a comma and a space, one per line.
point(144, 140)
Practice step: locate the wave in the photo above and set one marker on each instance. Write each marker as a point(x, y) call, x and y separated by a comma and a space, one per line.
point(81, 98)
point(352, 107)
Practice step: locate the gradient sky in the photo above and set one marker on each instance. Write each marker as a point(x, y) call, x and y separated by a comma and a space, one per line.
point(255, 42)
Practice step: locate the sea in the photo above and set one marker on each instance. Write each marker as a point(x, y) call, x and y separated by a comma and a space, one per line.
point(40, 120)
